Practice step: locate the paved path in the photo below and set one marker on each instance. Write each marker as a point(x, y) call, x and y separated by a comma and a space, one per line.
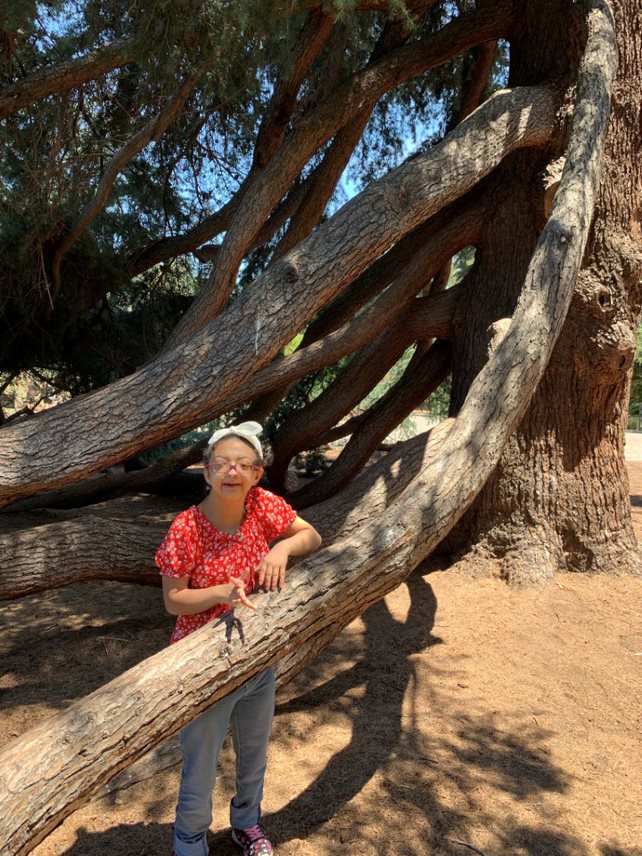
point(633, 447)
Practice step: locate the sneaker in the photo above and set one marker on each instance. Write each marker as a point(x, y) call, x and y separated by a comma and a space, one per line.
point(253, 841)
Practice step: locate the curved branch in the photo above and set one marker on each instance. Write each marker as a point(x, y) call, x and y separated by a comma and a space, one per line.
point(324, 178)
point(421, 378)
point(152, 130)
point(63, 76)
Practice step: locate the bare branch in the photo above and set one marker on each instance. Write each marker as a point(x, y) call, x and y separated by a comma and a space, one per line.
point(58, 78)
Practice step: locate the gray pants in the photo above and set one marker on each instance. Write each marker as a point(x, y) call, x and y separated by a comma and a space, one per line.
point(249, 710)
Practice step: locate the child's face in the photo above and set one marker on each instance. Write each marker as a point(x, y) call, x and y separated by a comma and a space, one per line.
point(232, 469)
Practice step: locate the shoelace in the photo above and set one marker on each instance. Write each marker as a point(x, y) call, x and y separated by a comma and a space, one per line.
point(254, 833)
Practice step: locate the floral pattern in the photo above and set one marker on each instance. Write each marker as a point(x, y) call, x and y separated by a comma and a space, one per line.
point(195, 548)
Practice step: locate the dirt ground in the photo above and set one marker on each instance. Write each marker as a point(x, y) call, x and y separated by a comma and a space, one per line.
point(456, 717)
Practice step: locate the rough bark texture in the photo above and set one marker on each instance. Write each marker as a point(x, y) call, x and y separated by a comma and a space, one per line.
point(63, 76)
point(87, 548)
point(559, 499)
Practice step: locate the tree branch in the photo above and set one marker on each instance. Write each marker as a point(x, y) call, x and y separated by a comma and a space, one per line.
point(87, 548)
point(314, 130)
point(314, 35)
point(152, 130)
point(420, 379)
point(63, 76)
point(177, 390)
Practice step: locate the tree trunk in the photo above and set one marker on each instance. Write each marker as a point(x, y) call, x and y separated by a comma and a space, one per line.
point(559, 499)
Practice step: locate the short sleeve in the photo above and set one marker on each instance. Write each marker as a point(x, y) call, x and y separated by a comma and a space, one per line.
point(176, 556)
point(273, 513)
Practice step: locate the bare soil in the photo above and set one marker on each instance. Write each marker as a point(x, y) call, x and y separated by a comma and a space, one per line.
point(458, 716)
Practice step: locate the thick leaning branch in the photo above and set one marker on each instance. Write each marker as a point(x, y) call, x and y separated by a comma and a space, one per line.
point(63, 76)
point(178, 389)
point(86, 548)
point(427, 316)
point(461, 220)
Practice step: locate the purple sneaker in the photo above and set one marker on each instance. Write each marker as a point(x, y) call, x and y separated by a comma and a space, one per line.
point(253, 841)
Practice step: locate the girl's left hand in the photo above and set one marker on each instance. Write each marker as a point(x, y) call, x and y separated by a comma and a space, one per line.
point(270, 573)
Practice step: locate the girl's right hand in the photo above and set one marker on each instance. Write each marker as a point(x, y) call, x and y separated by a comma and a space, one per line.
point(237, 595)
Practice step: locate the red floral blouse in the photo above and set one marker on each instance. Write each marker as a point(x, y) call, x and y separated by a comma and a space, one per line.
point(195, 548)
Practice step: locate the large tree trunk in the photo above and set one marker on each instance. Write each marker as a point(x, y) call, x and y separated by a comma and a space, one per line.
point(559, 499)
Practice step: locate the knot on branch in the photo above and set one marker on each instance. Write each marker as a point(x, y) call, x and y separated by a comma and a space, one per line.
point(290, 272)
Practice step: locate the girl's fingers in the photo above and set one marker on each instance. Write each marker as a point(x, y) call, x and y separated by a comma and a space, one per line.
point(239, 594)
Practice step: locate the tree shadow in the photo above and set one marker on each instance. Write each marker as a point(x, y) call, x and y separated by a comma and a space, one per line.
point(83, 635)
point(609, 850)
point(135, 839)
point(516, 764)
point(350, 769)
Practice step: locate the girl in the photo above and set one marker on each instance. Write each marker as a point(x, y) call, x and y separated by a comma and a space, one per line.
point(211, 559)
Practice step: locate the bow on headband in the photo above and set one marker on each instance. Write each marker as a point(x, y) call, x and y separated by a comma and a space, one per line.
point(247, 430)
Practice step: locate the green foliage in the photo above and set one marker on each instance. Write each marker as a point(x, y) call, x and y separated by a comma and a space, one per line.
point(635, 398)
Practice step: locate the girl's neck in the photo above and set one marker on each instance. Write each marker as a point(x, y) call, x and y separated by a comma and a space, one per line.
point(225, 516)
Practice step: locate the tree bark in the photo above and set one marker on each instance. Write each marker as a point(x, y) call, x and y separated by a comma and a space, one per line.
point(49, 556)
point(559, 499)
point(62, 77)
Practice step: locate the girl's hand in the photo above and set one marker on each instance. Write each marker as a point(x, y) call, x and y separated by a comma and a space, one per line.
point(237, 596)
point(270, 573)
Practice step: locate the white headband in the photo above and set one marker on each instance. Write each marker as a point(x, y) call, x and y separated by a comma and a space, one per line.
point(246, 430)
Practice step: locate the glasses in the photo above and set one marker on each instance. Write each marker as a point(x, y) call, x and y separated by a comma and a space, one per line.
point(244, 465)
